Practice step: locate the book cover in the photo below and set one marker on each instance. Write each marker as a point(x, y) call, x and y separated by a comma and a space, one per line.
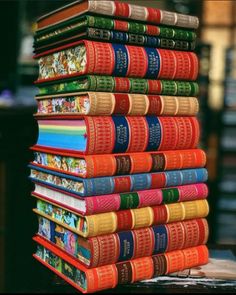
point(114, 59)
point(109, 276)
point(88, 166)
point(117, 9)
point(118, 134)
point(111, 222)
point(118, 84)
point(113, 37)
point(106, 104)
point(126, 245)
point(116, 184)
point(121, 201)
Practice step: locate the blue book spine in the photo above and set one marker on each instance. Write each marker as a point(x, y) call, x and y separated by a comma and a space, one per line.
point(140, 181)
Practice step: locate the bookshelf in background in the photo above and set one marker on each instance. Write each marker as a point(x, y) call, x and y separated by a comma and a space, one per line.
point(226, 172)
point(218, 23)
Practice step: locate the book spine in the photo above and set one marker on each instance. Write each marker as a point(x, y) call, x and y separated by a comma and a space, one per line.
point(105, 223)
point(154, 162)
point(117, 184)
point(123, 84)
point(136, 182)
point(120, 134)
point(143, 198)
point(137, 39)
point(141, 28)
point(141, 13)
point(120, 60)
point(105, 104)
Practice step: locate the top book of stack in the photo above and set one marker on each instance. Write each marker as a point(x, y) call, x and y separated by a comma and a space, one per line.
point(117, 10)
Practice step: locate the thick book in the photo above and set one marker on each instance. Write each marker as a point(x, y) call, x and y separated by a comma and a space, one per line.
point(111, 222)
point(118, 134)
point(118, 10)
point(114, 37)
point(119, 84)
point(74, 26)
point(88, 166)
point(109, 276)
point(113, 59)
point(106, 104)
point(126, 245)
point(116, 184)
point(121, 201)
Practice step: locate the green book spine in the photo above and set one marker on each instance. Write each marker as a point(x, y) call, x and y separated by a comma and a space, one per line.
point(121, 84)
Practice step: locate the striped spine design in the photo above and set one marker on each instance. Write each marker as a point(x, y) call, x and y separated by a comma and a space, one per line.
point(121, 84)
point(118, 60)
point(120, 164)
point(119, 134)
point(105, 104)
point(117, 184)
point(106, 223)
point(147, 14)
point(108, 276)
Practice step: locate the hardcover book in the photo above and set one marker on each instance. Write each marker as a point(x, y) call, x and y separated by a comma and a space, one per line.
point(117, 10)
point(115, 37)
point(111, 222)
point(118, 134)
point(109, 276)
point(106, 104)
point(116, 184)
point(126, 245)
point(118, 84)
point(88, 166)
point(121, 201)
point(115, 59)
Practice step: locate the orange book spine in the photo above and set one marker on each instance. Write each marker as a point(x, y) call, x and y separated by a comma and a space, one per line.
point(109, 276)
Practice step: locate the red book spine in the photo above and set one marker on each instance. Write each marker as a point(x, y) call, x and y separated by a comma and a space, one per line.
point(115, 59)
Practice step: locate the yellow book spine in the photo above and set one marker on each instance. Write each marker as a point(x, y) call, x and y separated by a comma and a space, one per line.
point(198, 208)
point(175, 212)
point(142, 217)
point(99, 224)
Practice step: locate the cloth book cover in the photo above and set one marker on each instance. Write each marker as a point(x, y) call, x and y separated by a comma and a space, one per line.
point(88, 166)
point(118, 84)
point(118, 10)
point(116, 31)
point(106, 104)
point(109, 276)
point(118, 134)
point(116, 184)
point(126, 245)
point(116, 59)
point(121, 201)
point(111, 222)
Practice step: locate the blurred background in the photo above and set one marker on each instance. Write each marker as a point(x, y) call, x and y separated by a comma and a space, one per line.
point(18, 129)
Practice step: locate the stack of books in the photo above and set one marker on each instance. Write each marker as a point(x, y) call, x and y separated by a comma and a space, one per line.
point(119, 178)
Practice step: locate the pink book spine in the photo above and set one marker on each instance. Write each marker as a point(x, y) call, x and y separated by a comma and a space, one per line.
point(193, 192)
point(150, 198)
